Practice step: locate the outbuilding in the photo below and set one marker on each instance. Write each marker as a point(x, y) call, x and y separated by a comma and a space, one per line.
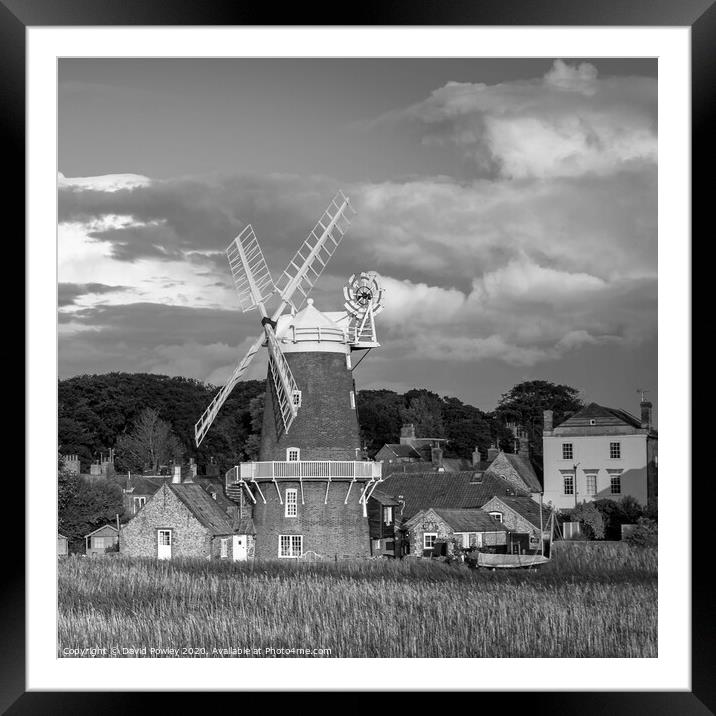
point(103, 540)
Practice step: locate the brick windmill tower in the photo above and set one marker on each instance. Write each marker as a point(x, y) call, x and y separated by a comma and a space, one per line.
point(308, 492)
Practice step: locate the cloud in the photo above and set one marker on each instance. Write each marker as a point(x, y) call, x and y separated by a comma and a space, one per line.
point(68, 293)
point(570, 123)
point(105, 183)
point(522, 315)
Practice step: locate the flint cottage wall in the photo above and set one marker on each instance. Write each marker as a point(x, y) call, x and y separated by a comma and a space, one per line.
point(165, 511)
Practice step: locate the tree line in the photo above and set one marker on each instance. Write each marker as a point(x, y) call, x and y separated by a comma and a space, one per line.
point(149, 419)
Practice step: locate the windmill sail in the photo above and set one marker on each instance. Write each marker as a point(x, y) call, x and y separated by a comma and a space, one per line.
point(207, 418)
point(252, 277)
point(307, 265)
point(283, 380)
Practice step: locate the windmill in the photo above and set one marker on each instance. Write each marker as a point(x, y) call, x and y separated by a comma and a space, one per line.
point(308, 491)
point(255, 286)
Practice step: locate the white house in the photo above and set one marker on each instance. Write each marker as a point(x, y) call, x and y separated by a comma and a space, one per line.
point(600, 453)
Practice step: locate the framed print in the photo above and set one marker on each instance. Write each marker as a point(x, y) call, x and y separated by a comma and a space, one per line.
point(349, 343)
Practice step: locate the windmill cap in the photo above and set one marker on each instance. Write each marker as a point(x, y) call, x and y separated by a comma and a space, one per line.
point(311, 330)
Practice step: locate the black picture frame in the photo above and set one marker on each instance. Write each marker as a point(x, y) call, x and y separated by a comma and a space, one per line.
point(699, 15)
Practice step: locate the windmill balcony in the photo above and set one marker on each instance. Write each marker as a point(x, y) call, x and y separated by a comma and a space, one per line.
point(305, 470)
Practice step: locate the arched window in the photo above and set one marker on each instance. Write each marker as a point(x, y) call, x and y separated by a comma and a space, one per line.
point(293, 454)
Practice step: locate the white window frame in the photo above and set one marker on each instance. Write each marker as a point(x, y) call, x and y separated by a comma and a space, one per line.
point(138, 503)
point(388, 515)
point(618, 478)
point(615, 447)
point(425, 539)
point(289, 450)
point(353, 400)
point(591, 477)
point(568, 447)
point(291, 500)
point(159, 538)
point(297, 396)
point(224, 548)
point(294, 545)
point(496, 516)
point(565, 478)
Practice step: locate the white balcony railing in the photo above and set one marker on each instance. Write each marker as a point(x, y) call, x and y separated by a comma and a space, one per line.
point(306, 469)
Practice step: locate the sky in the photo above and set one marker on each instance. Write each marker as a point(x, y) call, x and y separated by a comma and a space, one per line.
point(509, 206)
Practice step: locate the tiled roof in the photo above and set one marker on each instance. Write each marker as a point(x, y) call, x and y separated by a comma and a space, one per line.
point(527, 507)
point(203, 507)
point(602, 415)
point(453, 490)
point(470, 521)
point(383, 499)
point(402, 450)
point(99, 529)
point(216, 485)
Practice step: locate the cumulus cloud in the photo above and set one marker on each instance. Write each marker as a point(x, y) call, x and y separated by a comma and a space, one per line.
point(567, 124)
point(549, 248)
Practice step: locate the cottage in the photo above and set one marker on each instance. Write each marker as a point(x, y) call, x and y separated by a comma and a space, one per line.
point(598, 453)
point(437, 531)
point(384, 521)
point(103, 540)
point(466, 489)
point(62, 545)
point(183, 520)
point(524, 518)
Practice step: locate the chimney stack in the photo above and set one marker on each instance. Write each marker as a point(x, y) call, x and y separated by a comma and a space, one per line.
point(436, 456)
point(646, 414)
point(476, 456)
point(492, 452)
point(176, 475)
point(407, 434)
point(548, 420)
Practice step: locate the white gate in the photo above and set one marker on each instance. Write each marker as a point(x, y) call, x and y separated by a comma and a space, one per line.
point(164, 544)
point(240, 550)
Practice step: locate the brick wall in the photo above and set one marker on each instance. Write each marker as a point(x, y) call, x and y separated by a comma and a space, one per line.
point(165, 511)
point(331, 530)
point(326, 427)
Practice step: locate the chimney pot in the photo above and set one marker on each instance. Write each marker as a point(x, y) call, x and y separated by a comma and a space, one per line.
point(176, 476)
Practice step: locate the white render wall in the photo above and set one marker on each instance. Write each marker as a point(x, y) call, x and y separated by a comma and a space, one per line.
point(591, 452)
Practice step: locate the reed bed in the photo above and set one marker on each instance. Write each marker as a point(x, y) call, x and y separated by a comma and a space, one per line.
point(591, 600)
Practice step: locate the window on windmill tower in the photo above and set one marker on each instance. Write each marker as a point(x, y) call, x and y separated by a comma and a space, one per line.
point(290, 545)
point(291, 502)
point(388, 515)
point(297, 398)
point(293, 454)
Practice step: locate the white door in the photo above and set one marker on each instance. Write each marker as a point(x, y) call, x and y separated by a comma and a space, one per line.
point(164, 544)
point(240, 550)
